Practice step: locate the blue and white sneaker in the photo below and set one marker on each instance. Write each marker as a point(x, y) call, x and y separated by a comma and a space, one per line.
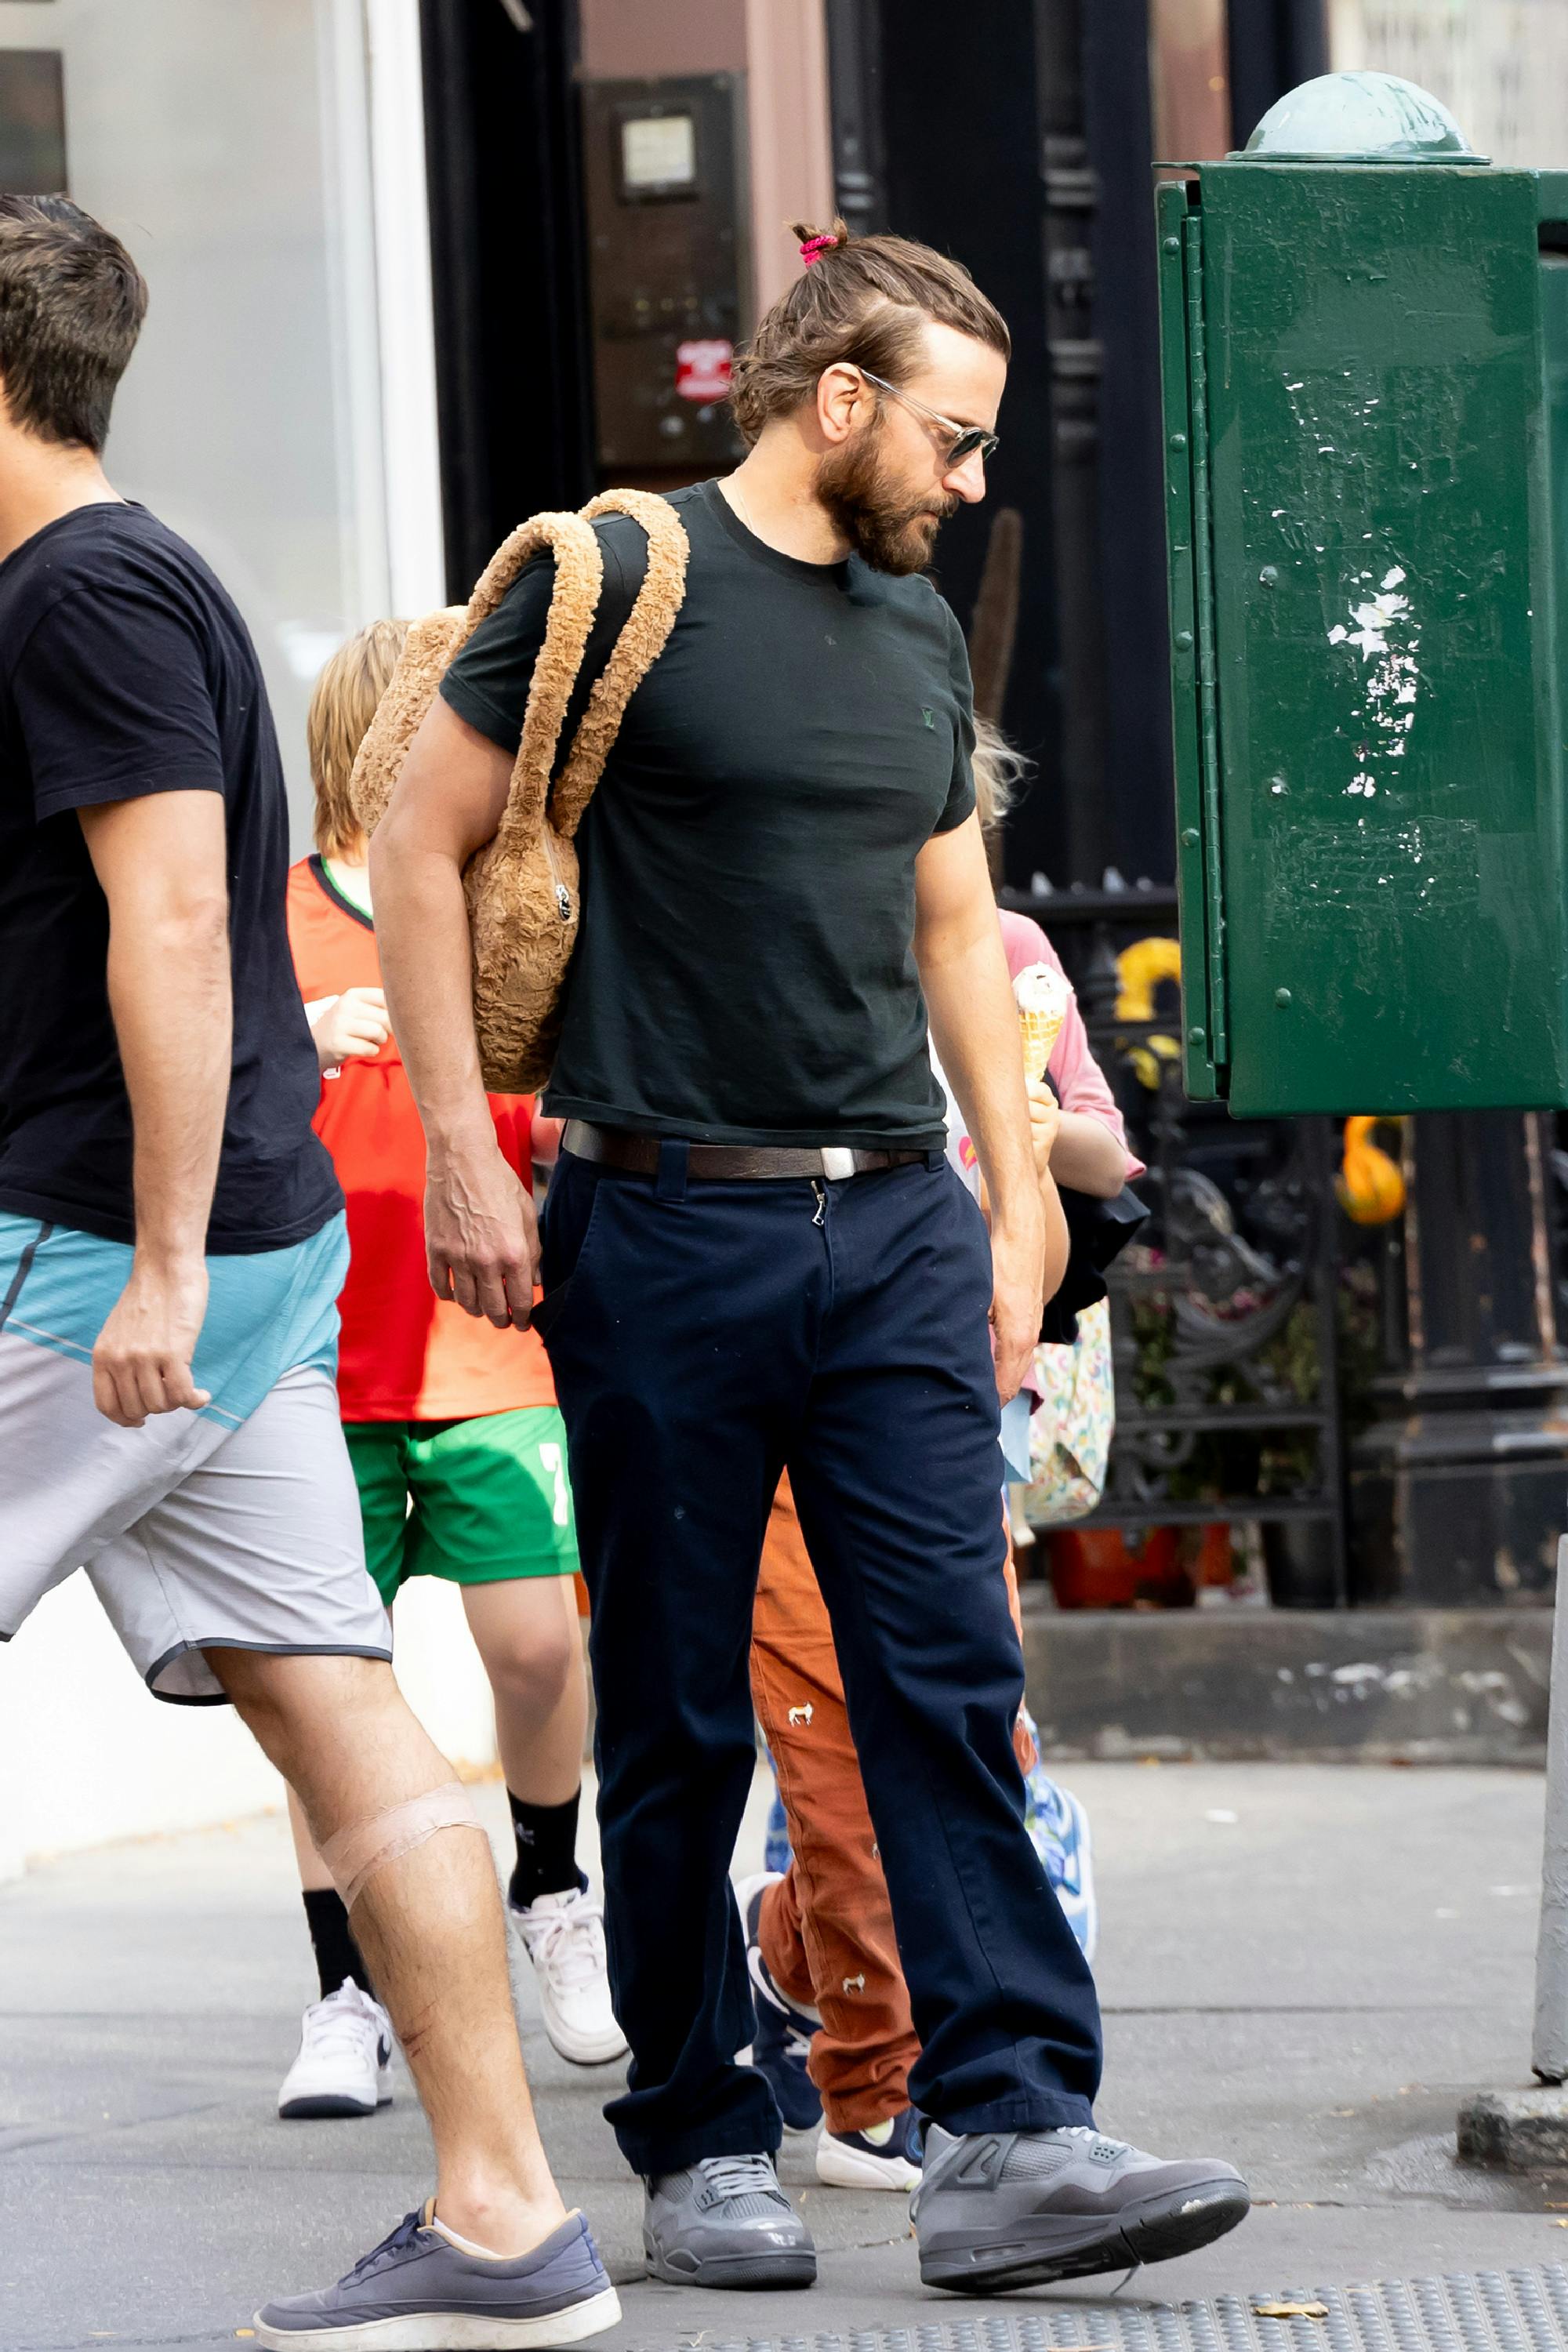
point(780, 2049)
point(782, 2042)
point(1059, 1828)
point(777, 1853)
point(883, 2156)
point(417, 2291)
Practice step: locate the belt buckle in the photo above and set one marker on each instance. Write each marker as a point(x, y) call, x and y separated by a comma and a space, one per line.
point(837, 1161)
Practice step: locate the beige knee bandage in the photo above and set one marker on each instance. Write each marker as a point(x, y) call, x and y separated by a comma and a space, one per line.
point(355, 1853)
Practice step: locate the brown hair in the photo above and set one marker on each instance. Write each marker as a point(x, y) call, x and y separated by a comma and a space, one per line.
point(351, 685)
point(71, 307)
point(864, 298)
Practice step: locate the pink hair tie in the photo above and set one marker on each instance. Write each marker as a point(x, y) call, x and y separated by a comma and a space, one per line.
point(816, 246)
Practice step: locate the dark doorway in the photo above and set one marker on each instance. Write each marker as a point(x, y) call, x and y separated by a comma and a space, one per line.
point(508, 266)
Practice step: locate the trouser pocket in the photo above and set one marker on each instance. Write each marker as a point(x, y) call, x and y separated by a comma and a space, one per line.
point(571, 1209)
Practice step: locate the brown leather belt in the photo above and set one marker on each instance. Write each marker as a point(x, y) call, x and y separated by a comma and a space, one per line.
point(619, 1147)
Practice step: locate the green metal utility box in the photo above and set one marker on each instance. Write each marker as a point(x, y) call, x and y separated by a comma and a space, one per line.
point(1364, 334)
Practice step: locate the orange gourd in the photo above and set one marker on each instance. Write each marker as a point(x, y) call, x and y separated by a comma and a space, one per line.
point(1369, 1186)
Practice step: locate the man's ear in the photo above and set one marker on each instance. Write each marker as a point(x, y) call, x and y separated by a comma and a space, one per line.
point(842, 401)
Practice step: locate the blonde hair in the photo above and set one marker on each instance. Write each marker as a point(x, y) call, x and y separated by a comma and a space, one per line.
point(864, 298)
point(999, 769)
point(351, 683)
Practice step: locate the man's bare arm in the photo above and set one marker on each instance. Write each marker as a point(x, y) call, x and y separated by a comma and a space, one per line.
point(481, 1236)
point(162, 863)
point(974, 1022)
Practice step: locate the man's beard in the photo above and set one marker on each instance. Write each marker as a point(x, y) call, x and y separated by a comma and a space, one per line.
point(889, 537)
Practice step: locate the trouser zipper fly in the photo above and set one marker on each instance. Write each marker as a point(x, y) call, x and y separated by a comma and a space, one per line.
point(821, 1193)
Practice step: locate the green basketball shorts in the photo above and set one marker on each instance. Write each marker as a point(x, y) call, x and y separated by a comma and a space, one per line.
point(474, 1501)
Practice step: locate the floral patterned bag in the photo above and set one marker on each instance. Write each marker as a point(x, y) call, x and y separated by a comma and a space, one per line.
point(1069, 1432)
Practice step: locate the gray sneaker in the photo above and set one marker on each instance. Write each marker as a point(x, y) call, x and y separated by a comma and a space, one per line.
point(725, 2222)
point(417, 2291)
point(998, 2209)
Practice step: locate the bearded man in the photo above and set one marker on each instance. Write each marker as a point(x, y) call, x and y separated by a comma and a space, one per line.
point(755, 1254)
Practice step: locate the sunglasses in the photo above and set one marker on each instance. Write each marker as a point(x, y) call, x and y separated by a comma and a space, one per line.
point(962, 440)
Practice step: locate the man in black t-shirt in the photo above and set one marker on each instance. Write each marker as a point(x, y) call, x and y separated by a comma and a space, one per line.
point(172, 1247)
point(755, 1254)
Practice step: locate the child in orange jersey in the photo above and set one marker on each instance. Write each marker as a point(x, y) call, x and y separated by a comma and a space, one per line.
point(456, 1443)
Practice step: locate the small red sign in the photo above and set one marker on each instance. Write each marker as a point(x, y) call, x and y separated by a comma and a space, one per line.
point(702, 369)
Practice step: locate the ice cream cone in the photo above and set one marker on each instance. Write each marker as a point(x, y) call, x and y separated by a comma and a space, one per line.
point(1043, 996)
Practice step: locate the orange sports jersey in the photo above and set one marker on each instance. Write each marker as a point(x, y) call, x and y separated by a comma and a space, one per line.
point(405, 1354)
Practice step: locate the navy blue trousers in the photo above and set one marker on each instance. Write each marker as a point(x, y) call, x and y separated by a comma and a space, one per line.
point(703, 1336)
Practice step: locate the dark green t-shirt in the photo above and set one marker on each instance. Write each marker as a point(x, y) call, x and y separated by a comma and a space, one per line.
point(744, 970)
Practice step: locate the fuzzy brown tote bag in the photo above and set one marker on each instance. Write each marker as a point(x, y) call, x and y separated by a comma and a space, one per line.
point(521, 886)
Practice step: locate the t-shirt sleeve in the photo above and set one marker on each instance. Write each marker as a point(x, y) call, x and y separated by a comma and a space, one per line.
point(961, 791)
point(487, 682)
point(1081, 1084)
point(112, 701)
point(1079, 1081)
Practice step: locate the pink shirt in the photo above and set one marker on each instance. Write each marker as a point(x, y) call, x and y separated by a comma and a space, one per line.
point(1080, 1080)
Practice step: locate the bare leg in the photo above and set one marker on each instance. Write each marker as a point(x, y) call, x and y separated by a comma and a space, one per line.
point(526, 1632)
point(313, 1870)
point(341, 1732)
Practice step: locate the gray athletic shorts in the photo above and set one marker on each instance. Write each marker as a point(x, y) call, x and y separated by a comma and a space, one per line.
point(235, 1528)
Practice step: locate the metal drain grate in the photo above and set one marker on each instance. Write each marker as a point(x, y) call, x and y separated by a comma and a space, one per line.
point(1481, 2311)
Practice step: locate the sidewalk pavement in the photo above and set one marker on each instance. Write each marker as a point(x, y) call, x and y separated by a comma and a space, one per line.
point(1304, 1969)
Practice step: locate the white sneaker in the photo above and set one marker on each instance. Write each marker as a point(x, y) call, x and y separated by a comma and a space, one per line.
point(345, 2066)
point(563, 1936)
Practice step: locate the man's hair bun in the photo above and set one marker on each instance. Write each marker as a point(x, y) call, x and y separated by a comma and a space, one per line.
point(816, 243)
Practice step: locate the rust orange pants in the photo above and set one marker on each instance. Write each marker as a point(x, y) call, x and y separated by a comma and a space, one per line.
point(827, 1927)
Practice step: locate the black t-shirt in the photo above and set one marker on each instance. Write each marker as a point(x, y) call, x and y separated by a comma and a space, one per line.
point(125, 669)
point(744, 970)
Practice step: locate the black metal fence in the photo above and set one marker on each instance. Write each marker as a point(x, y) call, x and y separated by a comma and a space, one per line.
point(1386, 1404)
point(1225, 1311)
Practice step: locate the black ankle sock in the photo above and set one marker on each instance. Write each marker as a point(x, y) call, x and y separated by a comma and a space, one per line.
point(546, 1849)
point(338, 1956)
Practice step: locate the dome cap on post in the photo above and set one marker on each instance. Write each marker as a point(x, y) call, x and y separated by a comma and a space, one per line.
point(1358, 118)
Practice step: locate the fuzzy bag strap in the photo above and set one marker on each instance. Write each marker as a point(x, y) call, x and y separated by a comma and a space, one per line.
point(574, 602)
point(433, 642)
point(426, 650)
point(642, 638)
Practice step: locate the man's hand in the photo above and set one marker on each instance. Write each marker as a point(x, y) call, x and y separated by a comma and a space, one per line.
point(481, 1237)
point(141, 1363)
point(353, 1026)
point(975, 1028)
point(1045, 1120)
point(1017, 1297)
